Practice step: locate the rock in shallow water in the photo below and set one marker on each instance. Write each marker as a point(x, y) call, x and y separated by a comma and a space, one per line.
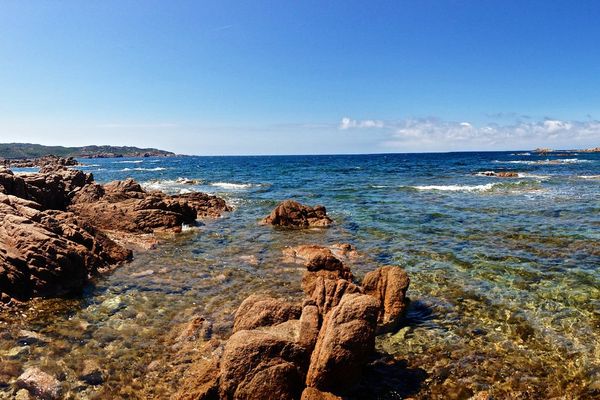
point(40, 384)
point(388, 285)
point(292, 214)
point(263, 310)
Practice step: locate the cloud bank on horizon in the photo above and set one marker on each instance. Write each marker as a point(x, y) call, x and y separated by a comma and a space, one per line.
point(434, 134)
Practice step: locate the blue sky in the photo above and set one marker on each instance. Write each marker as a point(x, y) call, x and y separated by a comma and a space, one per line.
point(267, 77)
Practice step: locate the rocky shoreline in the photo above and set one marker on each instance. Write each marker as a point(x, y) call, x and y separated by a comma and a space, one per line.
point(60, 228)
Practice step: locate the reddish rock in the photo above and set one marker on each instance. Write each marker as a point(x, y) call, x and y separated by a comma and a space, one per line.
point(500, 174)
point(314, 257)
point(45, 253)
point(310, 323)
point(346, 340)
point(388, 285)
point(262, 365)
point(125, 206)
point(262, 310)
point(315, 394)
point(292, 214)
point(327, 293)
point(40, 384)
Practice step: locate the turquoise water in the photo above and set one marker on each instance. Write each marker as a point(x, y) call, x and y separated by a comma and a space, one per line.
point(505, 272)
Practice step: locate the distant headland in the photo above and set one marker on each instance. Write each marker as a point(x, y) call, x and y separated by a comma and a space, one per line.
point(29, 150)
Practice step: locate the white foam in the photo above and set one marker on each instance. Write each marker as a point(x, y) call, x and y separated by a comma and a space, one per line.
point(228, 185)
point(545, 162)
point(129, 162)
point(589, 176)
point(143, 169)
point(458, 188)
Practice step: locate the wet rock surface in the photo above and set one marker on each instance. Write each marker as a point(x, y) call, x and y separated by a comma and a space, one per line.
point(40, 384)
point(292, 214)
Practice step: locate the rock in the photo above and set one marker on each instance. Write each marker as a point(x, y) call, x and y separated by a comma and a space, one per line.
point(198, 328)
point(16, 352)
point(388, 285)
point(310, 323)
point(262, 365)
point(262, 310)
point(315, 394)
point(314, 257)
point(327, 293)
point(123, 206)
point(292, 214)
point(22, 394)
point(500, 174)
point(29, 337)
point(345, 341)
point(92, 373)
point(45, 253)
point(40, 384)
point(201, 382)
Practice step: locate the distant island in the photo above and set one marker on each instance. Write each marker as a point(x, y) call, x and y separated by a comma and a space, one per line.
point(29, 150)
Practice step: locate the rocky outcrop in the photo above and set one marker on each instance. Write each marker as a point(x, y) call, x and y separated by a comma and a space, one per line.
point(318, 352)
point(51, 241)
point(49, 252)
point(388, 285)
point(292, 214)
point(261, 310)
point(125, 206)
point(40, 162)
point(346, 340)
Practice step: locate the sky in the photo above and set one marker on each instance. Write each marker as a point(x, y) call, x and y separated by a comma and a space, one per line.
point(301, 77)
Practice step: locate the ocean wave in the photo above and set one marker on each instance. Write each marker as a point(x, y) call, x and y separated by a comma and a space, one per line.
point(129, 162)
point(229, 185)
point(588, 176)
point(458, 188)
point(143, 169)
point(520, 154)
point(545, 162)
point(86, 166)
point(535, 176)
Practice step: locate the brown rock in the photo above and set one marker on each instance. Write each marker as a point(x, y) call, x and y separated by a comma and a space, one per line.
point(262, 365)
point(346, 340)
point(262, 310)
point(125, 206)
point(40, 384)
point(314, 257)
point(327, 293)
point(310, 323)
point(292, 214)
point(50, 252)
point(315, 394)
point(388, 285)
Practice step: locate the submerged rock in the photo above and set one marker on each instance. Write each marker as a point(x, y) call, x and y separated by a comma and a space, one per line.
point(40, 384)
point(388, 285)
point(292, 214)
point(92, 373)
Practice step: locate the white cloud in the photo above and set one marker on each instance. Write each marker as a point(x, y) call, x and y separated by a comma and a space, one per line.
point(431, 134)
point(347, 123)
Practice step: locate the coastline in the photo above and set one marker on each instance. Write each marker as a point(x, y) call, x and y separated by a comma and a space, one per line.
point(434, 367)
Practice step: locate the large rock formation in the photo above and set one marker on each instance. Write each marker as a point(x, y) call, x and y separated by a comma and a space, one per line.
point(292, 214)
point(50, 242)
point(318, 353)
point(125, 206)
point(49, 252)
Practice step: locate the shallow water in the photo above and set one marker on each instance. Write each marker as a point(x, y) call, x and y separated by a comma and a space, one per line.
point(505, 277)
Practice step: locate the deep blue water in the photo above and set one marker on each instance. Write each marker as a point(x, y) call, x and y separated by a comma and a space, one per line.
point(505, 272)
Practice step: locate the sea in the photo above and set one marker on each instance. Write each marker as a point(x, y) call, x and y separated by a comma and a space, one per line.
point(505, 272)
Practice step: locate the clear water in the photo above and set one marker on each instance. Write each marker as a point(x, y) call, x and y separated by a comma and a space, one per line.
point(505, 272)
